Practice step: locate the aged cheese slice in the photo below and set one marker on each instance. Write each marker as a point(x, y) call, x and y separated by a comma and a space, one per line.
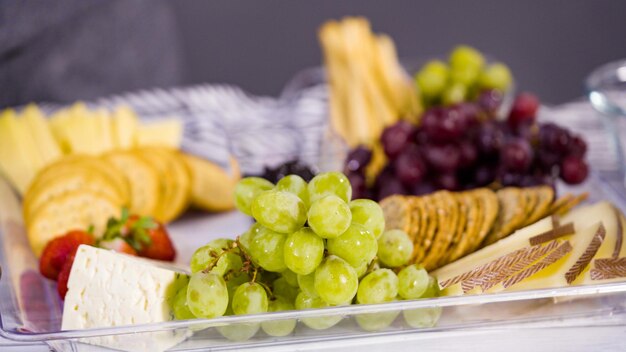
point(44, 140)
point(124, 127)
point(107, 289)
point(517, 240)
point(162, 133)
point(569, 269)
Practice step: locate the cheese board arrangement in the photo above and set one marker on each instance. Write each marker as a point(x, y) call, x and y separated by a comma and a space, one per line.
point(389, 204)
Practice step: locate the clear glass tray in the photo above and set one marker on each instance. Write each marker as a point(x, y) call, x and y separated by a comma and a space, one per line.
point(30, 309)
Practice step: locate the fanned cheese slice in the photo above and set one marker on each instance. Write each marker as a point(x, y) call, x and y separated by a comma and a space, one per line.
point(162, 133)
point(517, 240)
point(124, 127)
point(570, 268)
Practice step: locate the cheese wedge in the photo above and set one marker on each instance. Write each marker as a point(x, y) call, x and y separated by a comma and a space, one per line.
point(517, 240)
point(107, 289)
point(569, 269)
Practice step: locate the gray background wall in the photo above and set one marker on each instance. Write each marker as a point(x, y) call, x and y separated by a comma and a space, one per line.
point(550, 45)
point(81, 49)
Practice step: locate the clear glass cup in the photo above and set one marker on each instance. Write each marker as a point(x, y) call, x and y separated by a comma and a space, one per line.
point(606, 90)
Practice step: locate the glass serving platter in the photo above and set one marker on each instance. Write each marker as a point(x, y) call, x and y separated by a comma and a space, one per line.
point(31, 311)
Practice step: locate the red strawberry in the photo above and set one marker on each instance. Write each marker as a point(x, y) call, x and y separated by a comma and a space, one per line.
point(64, 276)
point(160, 246)
point(119, 245)
point(57, 251)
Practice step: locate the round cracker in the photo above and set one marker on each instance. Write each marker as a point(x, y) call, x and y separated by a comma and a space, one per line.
point(545, 195)
point(491, 209)
point(422, 247)
point(447, 214)
point(75, 163)
point(397, 213)
point(75, 210)
point(142, 178)
point(472, 225)
point(459, 229)
point(212, 188)
point(174, 185)
point(73, 179)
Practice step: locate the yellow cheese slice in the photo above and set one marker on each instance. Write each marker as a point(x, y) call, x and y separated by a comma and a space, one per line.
point(517, 240)
point(40, 130)
point(124, 127)
point(567, 271)
point(104, 131)
point(163, 133)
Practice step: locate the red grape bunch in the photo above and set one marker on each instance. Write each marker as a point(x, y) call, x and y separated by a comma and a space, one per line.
point(463, 146)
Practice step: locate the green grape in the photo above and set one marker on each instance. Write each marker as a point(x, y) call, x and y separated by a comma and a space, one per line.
point(329, 217)
point(207, 295)
point(250, 298)
point(267, 248)
point(203, 257)
point(356, 246)
point(368, 213)
point(465, 76)
point(379, 286)
point(280, 287)
point(279, 211)
point(179, 305)
point(413, 281)
point(306, 301)
point(233, 281)
point(422, 317)
point(239, 332)
point(433, 289)
point(247, 190)
point(245, 238)
point(282, 327)
point(496, 76)
point(290, 276)
point(330, 183)
point(296, 185)
point(303, 251)
point(454, 94)
point(432, 78)
point(307, 284)
point(376, 321)
point(361, 269)
point(395, 248)
point(464, 56)
point(336, 281)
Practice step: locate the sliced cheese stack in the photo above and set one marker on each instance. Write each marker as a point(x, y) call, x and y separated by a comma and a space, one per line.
point(107, 289)
point(551, 253)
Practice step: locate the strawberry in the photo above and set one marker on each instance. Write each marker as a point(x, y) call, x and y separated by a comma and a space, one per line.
point(64, 276)
point(118, 244)
point(160, 246)
point(145, 236)
point(57, 251)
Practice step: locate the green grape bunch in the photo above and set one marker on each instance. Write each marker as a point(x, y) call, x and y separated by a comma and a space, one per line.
point(312, 246)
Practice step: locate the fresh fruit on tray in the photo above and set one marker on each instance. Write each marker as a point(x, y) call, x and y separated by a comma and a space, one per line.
point(29, 141)
point(292, 167)
point(369, 89)
point(554, 252)
point(466, 77)
point(464, 147)
point(445, 226)
point(79, 191)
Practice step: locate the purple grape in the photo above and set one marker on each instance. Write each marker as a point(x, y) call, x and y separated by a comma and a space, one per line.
point(409, 166)
point(396, 138)
point(489, 101)
point(547, 161)
point(389, 188)
point(421, 138)
point(489, 138)
point(422, 188)
point(517, 155)
point(510, 179)
point(574, 170)
point(443, 125)
point(470, 113)
point(359, 186)
point(578, 147)
point(554, 138)
point(484, 175)
point(358, 159)
point(444, 158)
point(447, 181)
point(469, 154)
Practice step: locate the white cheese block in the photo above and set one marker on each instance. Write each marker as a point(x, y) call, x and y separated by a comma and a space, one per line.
point(107, 289)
